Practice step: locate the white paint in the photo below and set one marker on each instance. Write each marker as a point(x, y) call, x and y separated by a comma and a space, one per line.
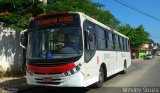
point(9, 49)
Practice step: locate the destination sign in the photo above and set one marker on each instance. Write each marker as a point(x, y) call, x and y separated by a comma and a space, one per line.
point(64, 19)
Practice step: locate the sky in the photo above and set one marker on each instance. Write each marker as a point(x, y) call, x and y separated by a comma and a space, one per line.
point(128, 16)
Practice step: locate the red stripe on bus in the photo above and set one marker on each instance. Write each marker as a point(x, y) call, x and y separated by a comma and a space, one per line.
point(55, 69)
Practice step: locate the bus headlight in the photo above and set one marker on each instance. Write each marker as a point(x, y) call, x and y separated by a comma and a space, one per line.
point(73, 71)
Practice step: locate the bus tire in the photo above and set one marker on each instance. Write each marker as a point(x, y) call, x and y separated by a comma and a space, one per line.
point(124, 71)
point(101, 79)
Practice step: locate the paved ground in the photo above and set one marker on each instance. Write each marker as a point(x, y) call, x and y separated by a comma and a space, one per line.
point(142, 73)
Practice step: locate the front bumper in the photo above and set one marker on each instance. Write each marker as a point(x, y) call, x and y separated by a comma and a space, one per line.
point(57, 80)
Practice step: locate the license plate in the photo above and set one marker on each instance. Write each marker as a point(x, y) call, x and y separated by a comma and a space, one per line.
point(47, 79)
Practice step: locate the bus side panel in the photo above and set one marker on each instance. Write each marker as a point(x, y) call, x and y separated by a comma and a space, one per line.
point(92, 70)
point(121, 58)
point(108, 58)
point(128, 59)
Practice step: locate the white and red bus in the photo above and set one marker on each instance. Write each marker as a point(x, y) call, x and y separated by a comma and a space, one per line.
point(71, 49)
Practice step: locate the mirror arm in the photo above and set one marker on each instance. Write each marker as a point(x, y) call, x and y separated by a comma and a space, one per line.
point(22, 33)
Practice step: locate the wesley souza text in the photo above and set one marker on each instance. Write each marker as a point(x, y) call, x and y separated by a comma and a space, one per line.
point(141, 90)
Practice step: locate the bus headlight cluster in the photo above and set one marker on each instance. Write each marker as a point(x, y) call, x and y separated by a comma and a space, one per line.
point(73, 71)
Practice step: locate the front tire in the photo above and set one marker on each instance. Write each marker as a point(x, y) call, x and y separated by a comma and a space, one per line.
point(101, 79)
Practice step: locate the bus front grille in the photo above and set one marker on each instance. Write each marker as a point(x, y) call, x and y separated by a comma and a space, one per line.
point(45, 73)
point(55, 81)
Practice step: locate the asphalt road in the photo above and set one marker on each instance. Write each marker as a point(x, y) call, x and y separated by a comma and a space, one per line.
point(141, 77)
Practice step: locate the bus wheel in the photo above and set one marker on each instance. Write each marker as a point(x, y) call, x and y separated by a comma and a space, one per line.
point(101, 79)
point(124, 71)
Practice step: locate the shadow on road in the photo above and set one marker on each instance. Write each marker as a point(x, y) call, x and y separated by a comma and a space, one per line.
point(19, 86)
point(42, 89)
point(14, 83)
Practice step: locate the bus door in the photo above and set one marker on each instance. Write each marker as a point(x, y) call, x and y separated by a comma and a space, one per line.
point(89, 52)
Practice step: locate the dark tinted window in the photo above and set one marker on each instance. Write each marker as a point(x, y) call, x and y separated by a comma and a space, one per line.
point(89, 43)
point(117, 42)
point(101, 38)
point(107, 38)
point(110, 43)
point(53, 43)
point(114, 41)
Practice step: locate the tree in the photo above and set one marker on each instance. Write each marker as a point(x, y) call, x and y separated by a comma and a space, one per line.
point(22, 10)
point(138, 36)
point(86, 6)
point(19, 12)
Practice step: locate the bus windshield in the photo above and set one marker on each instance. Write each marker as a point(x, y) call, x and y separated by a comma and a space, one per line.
point(48, 42)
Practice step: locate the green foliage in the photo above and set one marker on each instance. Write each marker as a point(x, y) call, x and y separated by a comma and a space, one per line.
point(138, 36)
point(21, 11)
point(16, 22)
point(86, 6)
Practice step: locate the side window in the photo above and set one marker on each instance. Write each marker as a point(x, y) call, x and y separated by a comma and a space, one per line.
point(117, 42)
point(120, 42)
point(127, 44)
point(101, 38)
point(107, 38)
point(113, 41)
point(89, 40)
point(88, 26)
point(123, 44)
point(110, 43)
point(92, 42)
point(110, 36)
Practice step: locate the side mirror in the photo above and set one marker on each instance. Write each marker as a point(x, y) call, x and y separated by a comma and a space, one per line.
point(23, 38)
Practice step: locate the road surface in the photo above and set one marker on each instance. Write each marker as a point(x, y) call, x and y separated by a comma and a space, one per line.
point(141, 77)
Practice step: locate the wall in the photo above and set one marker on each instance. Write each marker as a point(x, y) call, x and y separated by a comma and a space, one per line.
point(10, 51)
